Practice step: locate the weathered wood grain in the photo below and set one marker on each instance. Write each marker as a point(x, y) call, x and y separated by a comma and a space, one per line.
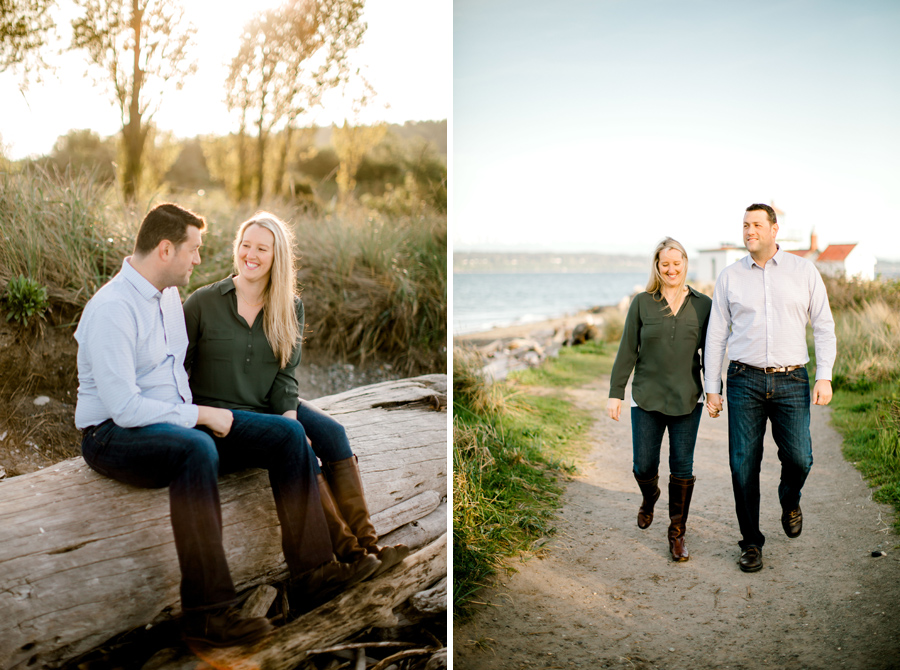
point(422, 531)
point(84, 558)
point(366, 604)
point(432, 600)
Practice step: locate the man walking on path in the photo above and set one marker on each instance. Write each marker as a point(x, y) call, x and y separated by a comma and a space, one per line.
point(761, 306)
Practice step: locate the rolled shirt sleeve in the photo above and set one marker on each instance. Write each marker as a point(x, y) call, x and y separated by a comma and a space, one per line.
point(285, 393)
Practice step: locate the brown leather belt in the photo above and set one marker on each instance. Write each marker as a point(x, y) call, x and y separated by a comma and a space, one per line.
point(768, 371)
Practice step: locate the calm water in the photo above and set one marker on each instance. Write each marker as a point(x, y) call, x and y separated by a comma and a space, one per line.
point(485, 301)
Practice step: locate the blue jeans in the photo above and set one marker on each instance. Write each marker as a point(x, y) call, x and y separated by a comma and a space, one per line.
point(188, 461)
point(754, 398)
point(647, 430)
point(327, 437)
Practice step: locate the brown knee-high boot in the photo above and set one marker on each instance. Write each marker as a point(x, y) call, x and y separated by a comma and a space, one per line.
point(346, 483)
point(680, 491)
point(343, 541)
point(650, 491)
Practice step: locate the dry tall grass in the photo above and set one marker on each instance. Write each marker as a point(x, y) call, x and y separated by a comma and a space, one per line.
point(868, 345)
point(374, 286)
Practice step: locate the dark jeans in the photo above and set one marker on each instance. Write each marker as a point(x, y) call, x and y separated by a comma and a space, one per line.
point(647, 430)
point(754, 398)
point(328, 437)
point(189, 461)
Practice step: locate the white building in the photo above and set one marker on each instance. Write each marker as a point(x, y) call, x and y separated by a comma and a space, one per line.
point(710, 262)
point(851, 261)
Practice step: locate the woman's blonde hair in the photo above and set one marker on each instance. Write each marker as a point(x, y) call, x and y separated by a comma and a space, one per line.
point(656, 281)
point(279, 314)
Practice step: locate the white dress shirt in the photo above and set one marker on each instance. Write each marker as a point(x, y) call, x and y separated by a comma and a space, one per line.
point(131, 345)
point(761, 315)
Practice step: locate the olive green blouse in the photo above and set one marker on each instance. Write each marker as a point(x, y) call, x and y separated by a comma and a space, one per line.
point(664, 352)
point(231, 364)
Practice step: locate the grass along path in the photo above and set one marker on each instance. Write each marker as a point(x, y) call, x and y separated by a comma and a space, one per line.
point(607, 595)
point(512, 442)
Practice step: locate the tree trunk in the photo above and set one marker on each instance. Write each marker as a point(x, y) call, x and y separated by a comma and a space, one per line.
point(287, 136)
point(243, 161)
point(260, 151)
point(84, 558)
point(132, 132)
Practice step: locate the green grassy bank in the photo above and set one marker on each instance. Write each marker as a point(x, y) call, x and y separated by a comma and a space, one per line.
point(374, 284)
point(512, 441)
point(866, 404)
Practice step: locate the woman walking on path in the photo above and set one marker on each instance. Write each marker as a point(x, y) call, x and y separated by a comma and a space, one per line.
point(665, 330)
point(245, 335)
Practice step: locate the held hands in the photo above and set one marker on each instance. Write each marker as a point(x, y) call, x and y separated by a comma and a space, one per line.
point(614, 408)
point(822, 392)
point(713, 404)
point(218, 420)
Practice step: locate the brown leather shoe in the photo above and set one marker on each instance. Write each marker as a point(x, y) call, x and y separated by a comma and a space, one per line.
point(650, 491)
point(751, 559)
point(792, 522)
point(223, 627)
point(321, 584)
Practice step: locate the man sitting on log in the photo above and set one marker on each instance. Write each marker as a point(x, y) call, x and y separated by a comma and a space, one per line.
point(139, 427)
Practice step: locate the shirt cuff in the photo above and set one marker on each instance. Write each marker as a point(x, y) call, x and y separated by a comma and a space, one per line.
point(288, 403)
point(188, 415)
point(713, 386)
point(824, 373)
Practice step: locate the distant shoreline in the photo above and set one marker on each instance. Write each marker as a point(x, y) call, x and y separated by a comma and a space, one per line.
point(565, 322)
point(544, 262)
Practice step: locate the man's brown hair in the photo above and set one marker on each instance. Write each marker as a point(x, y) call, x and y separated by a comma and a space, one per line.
point(165, 222)
point(770, 213)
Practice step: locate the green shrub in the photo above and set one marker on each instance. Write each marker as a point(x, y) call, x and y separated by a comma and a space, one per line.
point(25, 298)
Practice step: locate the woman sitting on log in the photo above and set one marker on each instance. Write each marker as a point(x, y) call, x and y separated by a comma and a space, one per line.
point(245, 335)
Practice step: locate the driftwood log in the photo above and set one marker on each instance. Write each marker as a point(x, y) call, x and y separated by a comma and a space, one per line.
point(368, 604)
point(84, 558)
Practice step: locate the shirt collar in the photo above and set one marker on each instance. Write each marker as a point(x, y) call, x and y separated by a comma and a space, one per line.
point(777, 258)
point(779, 255)
point(147, 290)
point(226, 285)
point(694, 291)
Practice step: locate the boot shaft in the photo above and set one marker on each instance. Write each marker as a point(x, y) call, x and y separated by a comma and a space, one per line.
point(346, 483)
point(680, 492)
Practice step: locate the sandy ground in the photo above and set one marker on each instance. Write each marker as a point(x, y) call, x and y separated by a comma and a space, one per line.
point(607, 595)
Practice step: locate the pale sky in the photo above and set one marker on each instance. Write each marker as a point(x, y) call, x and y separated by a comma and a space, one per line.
point(605, 125)
point(406, 53)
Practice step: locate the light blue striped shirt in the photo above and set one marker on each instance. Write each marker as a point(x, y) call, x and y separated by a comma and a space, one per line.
point(761, 314)
point(131, 345)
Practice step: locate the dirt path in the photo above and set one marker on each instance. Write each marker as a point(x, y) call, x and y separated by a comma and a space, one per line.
point(607, 594)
